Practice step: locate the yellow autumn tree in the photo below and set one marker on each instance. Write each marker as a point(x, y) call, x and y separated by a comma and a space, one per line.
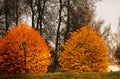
point(12, 54)
point(85, 51)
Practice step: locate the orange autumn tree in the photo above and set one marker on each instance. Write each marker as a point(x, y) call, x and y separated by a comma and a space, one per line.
point(12, 55)
point(85, 51)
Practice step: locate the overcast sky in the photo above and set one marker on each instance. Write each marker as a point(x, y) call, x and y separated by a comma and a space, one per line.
point(109, 10)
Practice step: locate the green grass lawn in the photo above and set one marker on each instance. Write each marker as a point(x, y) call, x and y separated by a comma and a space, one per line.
point(59, 75)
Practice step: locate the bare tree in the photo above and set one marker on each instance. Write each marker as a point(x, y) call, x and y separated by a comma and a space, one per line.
point(41, 8)
point(79, 13)
point(57, 38)
point(16, 11)
point(103, 30)
point(31, 3)
point(6, 11)
point(117, 40)
point(11, 10)
point(68, 21)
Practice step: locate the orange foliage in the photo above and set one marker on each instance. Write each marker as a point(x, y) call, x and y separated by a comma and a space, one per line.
point(12, 53)
point(85, 51)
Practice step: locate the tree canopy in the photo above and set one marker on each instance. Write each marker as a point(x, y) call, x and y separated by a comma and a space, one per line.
point(12, 52)
point(85, 51)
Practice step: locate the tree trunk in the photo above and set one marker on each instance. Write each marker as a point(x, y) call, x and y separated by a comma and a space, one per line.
point(6, 15)
point(42, 15)
point(32, 10)
point(39, 13)
point(68, 21)
point(57, 39)
point(16, 21)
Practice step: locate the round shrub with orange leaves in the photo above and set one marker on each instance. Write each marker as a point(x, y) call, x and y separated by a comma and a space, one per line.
point(12, 57)
point(85, 51)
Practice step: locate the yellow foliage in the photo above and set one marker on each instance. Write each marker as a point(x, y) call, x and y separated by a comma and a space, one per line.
point(85, 51)
point(12, 52)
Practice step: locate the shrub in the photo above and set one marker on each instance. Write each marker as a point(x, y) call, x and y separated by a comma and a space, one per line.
point(12, 53)
point(85, 51)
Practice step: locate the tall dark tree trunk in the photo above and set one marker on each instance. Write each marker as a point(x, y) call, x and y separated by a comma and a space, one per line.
point(33, 14)
point(68, 21)
point(57, 39)
point(39, 13)
point(42, 15)
point(16, 21)
point(6, 15)
point(41, 9)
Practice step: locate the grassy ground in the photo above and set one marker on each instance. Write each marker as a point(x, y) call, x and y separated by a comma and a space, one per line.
point(93, 75)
